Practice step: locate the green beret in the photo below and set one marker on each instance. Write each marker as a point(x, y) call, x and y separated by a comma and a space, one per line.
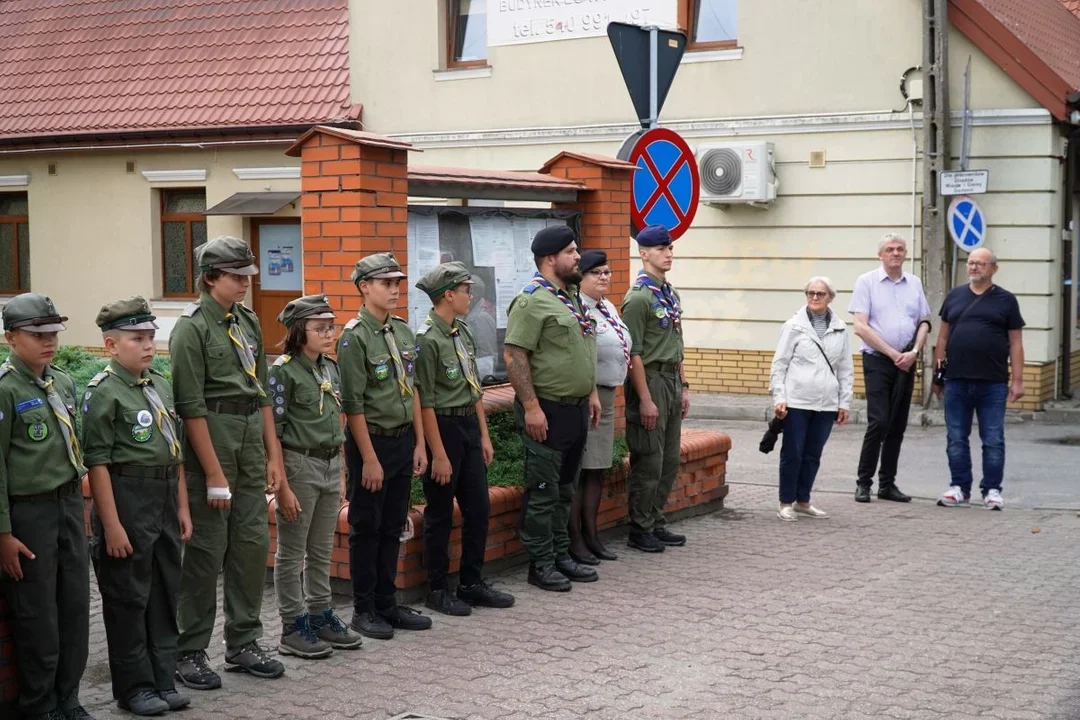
point(33, 312)
point(309, 307)
point(226, 253)
point(131, 314)
point(380, 266)
point(444, 277)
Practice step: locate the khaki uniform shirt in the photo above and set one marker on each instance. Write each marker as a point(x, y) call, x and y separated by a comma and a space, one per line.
point(33, 454)
point(440, 374)
point(369, 376)
point(119, 424)
point(655, 337)
point(562, 359)
point(296, 396)
point(204, 361)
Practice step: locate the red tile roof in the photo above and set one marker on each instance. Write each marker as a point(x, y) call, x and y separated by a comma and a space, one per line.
point(1072, 6)
point(490, 178)
point(79, 67)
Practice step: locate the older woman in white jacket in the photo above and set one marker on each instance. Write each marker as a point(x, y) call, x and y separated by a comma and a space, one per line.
point(811, 383)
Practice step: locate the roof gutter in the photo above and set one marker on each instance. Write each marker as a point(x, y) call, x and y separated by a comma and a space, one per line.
point(147, 146)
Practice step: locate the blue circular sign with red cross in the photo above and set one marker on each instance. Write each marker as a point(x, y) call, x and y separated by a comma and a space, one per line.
point(666, 184)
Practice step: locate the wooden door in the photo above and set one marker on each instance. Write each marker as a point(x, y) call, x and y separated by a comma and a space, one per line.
point(277, 245)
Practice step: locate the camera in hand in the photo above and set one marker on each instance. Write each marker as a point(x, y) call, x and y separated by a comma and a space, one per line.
point(939, 373)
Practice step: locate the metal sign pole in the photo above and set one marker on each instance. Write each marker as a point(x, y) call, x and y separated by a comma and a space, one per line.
point(653, 41)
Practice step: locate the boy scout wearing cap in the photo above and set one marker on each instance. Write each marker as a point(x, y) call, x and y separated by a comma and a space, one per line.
point(306, 388)
point(132, 446)
point(551, 363)
point(43, 548)
point(384, 446)
point(231, 458)
point(456, 432)
point(657, 395)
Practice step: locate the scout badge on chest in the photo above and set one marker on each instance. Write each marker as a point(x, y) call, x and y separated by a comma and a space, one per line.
point(382, 371)
point(38, 431)
point(143, 428)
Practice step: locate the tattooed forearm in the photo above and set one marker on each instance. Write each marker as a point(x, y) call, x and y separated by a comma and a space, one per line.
point(519, 373)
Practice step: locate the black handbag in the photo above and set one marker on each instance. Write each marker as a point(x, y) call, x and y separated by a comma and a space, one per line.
point(768, 440)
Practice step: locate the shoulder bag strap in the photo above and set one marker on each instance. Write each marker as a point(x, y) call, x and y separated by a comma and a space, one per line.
point(964, 312)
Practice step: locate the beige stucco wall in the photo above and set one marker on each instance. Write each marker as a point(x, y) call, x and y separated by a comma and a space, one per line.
point(95, 229)
point(741, 269)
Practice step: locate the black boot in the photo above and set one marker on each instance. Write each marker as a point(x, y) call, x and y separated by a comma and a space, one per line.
point(891, 492)
point(577, 573)
point(862, 493)
point(645, 542)
point(548, 578)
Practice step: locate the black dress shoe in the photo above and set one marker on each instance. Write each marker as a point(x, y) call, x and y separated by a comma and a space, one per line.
point(645, 542)
point(371, 624)
point(891, 492)
point(578, 573)
point(402, 617)
point(598, 550)
point(666, 537)
point(587, 559)
point(483, 595)
point(548, 578)
point(862, 493)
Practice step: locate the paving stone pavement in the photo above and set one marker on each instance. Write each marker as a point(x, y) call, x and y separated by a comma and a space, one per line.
point(881, 611)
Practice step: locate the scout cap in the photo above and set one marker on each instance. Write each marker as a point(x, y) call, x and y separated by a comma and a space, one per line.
point(444, 277)
point(226, 253)
point(131, 314)
point(309, 307)
point(552, 239)
point(653, 236)
point(32, 312)
point(592, 259)
point(380, 266)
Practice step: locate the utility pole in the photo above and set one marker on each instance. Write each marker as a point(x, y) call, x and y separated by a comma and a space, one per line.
point(936, 248)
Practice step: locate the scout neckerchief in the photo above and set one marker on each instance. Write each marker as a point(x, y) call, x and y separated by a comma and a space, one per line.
point(399, 367)
point(164, 420)
point(325, 386)
point(463, 358)
point(583, 318)
point(601, 305)
point(56, 404)
point(243, 350)
point(665, 295)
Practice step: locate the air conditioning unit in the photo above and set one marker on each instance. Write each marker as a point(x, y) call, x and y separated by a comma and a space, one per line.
point(737, 172)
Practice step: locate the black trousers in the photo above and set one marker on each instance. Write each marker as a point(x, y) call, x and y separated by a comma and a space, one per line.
point(376, 519)
point(50, 606)
point(139, 593)
point(468, 483)
point(888, 400)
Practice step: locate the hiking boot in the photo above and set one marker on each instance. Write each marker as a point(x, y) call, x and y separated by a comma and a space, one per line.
point(371, 624)
point(954, 497)
point(401, 617)
point(329, 627)
point(193, 670)
point(483, 595)
point(862, 493)
point(299, 639)
point(575, 572)
point(645, 542)
point(251, 658)
point(442, 601)
point(144, 702)
point(548, 578)
point(666, 537)
point(175, 699)
point(993, 500)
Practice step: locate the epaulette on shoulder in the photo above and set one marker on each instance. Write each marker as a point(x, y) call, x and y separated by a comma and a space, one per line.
point(96, 380)
point(401, 320)
point(156, 372)
point(5, 368)
point(423, 329)
point(462, 323)
point(530, 288)
point(330, 360)
point(191, 309)
point(352, 323)
point(282, 360)
point(246, 309)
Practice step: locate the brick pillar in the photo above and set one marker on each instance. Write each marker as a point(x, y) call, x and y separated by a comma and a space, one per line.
point(355, 202)
point(9, 679)
point(605, 220)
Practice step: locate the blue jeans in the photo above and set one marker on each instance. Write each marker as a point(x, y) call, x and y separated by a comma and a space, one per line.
point(985, 399)
point(805, 433)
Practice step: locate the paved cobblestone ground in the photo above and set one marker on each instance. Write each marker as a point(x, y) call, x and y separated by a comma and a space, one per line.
point(881, 611)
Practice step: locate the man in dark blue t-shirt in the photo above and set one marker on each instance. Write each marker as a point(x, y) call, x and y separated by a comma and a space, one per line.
point(981, 333)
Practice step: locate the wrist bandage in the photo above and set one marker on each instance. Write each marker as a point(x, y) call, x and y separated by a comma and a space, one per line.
point(218, 493)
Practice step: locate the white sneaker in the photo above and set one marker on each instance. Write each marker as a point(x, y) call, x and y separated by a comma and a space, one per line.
point(954, 497)
point(787, 514)
point(993, 500)
point(810, 511)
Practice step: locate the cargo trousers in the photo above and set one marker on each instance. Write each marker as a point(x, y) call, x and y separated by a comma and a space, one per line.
point(654, 454)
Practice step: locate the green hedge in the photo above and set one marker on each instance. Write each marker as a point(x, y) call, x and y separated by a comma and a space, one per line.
point(505, 471)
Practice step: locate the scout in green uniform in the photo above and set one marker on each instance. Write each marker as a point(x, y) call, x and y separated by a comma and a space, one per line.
point(306, 388)
point(231, 457)
point(132, 446)
point(551, 362)
point(43, 549)
point(657, 396)
point(384, 445)
point(455, 428)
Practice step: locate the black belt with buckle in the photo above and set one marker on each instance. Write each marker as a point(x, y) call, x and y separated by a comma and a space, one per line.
point(157, 472)
point(389, 432)
point(663, 367)
point(463, 411)
point(321, 453)
point(233, 407)
point(576, 401)
point(68, 488)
